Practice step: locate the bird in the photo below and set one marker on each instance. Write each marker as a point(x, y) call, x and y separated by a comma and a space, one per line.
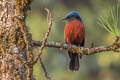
point(74, 34)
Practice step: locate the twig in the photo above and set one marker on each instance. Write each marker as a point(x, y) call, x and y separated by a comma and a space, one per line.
point(46, 35)
point(116, 40)
point(44, 69)
point(49, 20)
point(92, 45)
point(81, 50)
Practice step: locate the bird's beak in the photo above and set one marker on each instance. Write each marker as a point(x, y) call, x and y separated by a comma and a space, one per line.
point(63, 19)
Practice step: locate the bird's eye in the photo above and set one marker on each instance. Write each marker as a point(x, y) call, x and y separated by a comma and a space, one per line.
point(68, 17)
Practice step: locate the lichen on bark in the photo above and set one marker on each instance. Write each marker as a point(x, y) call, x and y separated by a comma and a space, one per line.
point(16, 58)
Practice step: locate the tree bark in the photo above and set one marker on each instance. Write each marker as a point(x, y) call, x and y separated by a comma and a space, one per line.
point(16, 58)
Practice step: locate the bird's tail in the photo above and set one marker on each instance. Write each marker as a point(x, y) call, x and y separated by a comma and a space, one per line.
point(74, 61)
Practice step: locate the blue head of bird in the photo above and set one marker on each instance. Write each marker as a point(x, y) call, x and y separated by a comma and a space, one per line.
point(72, 15)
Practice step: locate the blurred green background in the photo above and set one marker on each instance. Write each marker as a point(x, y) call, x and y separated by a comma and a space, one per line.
point(103, 66)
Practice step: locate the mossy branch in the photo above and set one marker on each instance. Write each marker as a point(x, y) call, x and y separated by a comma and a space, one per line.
point(81, 50)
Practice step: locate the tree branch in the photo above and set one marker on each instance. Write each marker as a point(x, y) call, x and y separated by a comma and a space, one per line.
point(81, 50)
point(44, 69)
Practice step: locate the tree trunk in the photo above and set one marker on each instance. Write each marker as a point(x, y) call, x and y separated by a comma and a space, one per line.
point(16, 58)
